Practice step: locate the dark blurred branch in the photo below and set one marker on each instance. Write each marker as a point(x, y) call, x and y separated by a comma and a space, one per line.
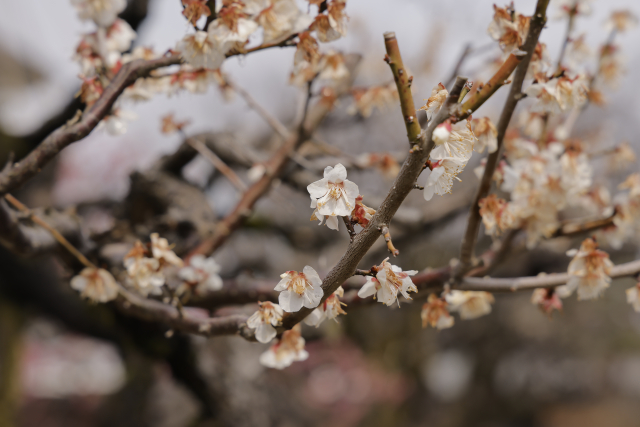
point(573, 228)
point(188, 320)
point(75, 130)
point(469, 241)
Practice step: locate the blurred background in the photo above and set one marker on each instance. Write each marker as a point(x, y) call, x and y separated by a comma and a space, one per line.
point(66, 363)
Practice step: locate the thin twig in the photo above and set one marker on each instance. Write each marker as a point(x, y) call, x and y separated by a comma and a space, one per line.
point(263, 112)
point(466, 52)
point(217, 162)
point(59, 237)
point(350, 229)
point(273, 169)
point(469, 241)
point(491, 284)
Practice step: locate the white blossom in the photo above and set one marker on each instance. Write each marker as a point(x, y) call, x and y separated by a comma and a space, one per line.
point(330, 309)
point(201, 51)
point(633, 297)
point(335, 195)
point(486, 133)
point(264, 321)
point(102, 12)
point(331, 220)
point(161, 250)
point(203, 272)
point(470, 304)
point(96, 284)
point(332, 25)
point(589, 270)
point(434, 313)
point(389, 280)
point(439, 94)
point(454, 141)
point(440, 180)
point(143, 273)
point(299, 289)
point(289, 349)
point(282, 18)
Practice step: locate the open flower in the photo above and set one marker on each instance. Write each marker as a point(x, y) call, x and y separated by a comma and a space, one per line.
point(486, 133)
point(589, 270)
point(435, 313)
point(203, 273)
point(454, 141)
point(442, 175)
point(438, 95)
point(289, 349)
point(547, 97)
point(331, 222)
point(161, 250)
point(102, 12)
point(335, 195)
point(496, 216)
point(509, 28)
point(282, 18)
point(546, 299)
point(264, 320)
point(389, 280)
point(330, 309)
point(332, 25)
point(143, 273)
point(633, 296)
point(299, 289)
point(201, 51)
point(96, 284)
point(470, 304)
point(621, 21)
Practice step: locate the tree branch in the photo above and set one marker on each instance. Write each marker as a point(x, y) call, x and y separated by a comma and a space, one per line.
point(28, 167)
point(403, 83)
point(494, 83)
point(491, 284)
point(273, 169)
point(469, 241)
point(402, 186)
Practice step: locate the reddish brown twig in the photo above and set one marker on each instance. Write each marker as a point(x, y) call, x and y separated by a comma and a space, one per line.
point(403, 83)
point(473, 224)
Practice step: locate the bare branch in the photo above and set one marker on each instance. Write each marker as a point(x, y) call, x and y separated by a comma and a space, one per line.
point(469, 241)
point(221, 166)
point(189, 320)
point(491, 284)
point(402, 186)
point(72, 132)
point(273, 169)
point(403, 83)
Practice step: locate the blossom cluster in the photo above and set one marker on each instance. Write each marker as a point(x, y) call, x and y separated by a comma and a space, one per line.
point(103, 52)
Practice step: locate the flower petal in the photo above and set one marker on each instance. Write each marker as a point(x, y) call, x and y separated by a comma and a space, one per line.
point(290, 301)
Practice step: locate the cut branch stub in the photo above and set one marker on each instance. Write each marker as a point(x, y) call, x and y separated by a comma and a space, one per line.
point(403, 83)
